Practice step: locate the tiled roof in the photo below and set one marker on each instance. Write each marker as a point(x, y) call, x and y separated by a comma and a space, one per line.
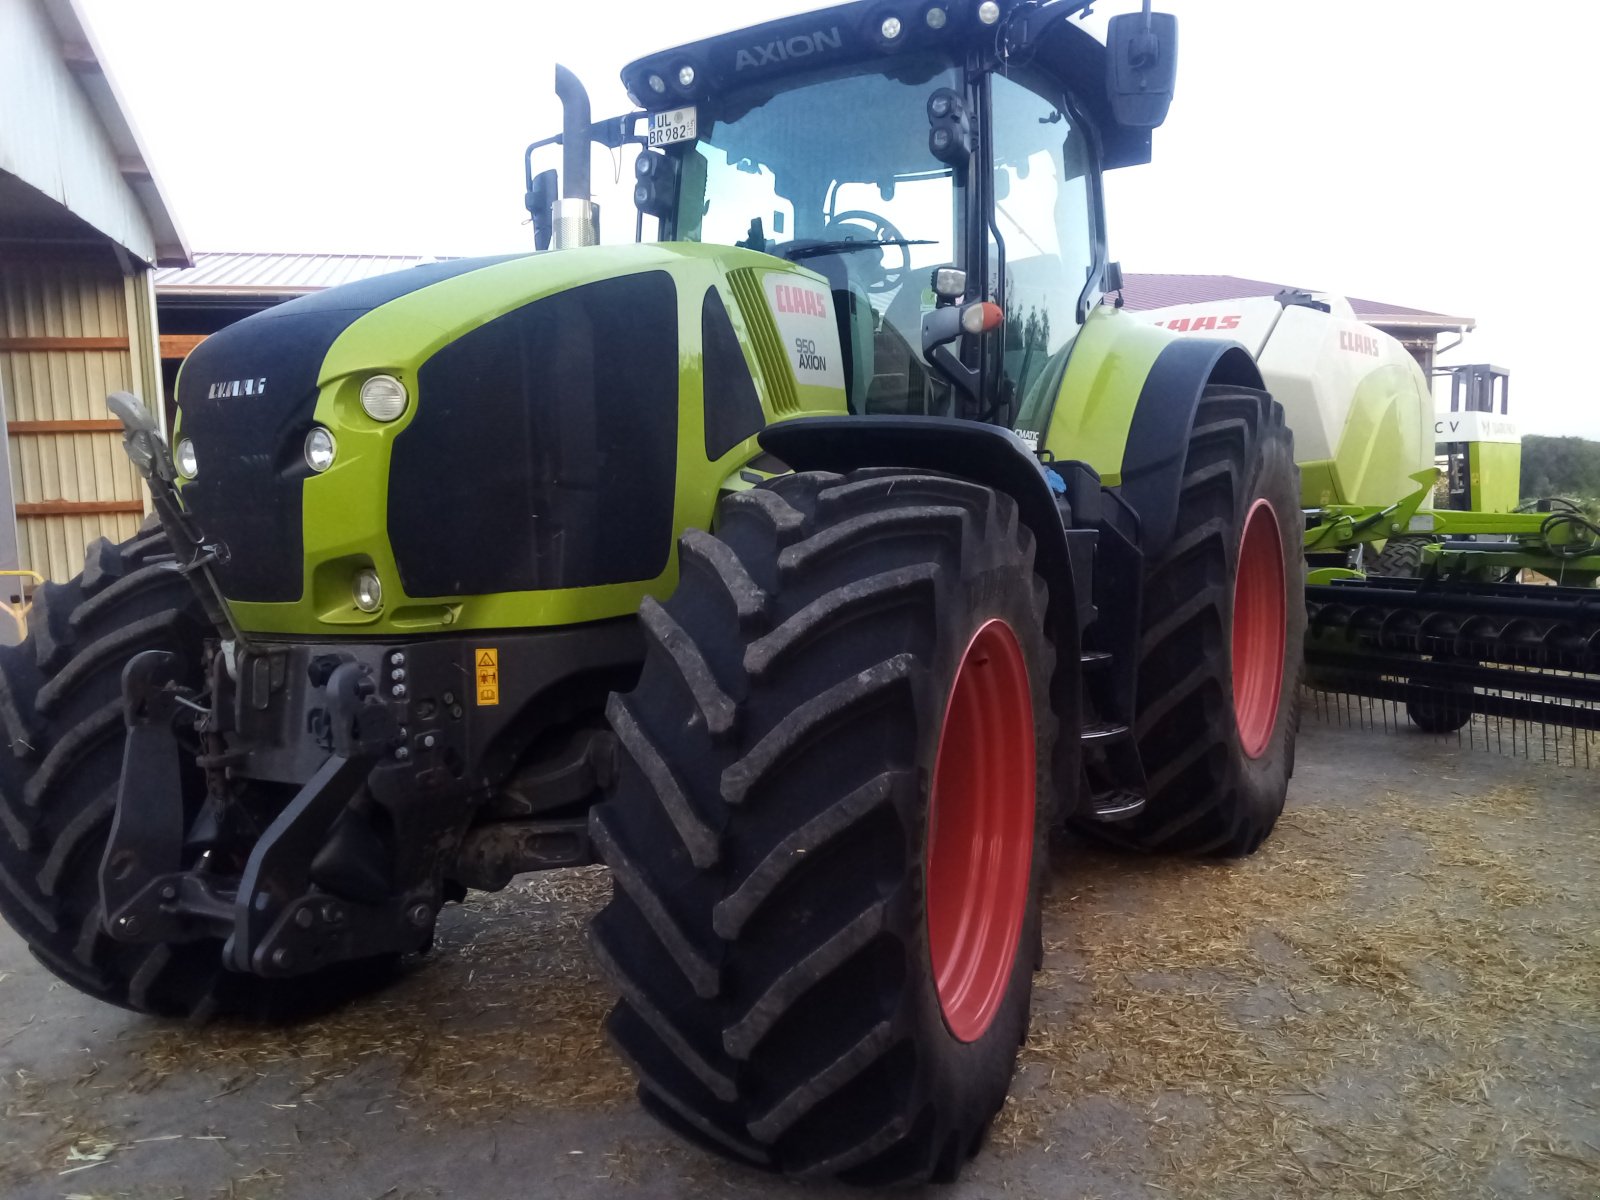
point(265, 274)
point(1164, 291)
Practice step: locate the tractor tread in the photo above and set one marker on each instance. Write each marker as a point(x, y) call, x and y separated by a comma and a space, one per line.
point(698, 837)
point(21, 728)
point(845, 1069)
point(715, 705)
point(734, 913)
point(116, 646)
point(30, 903)
point(784, 518)
point(83, 825)
point(906, 583)
point(637, 999)
point(849, 534)
point(48, 624)
point(104, 722)
point(749, 598)
point(103, 563)
point(807, 720)
point(700, 971)
point(119, 592)
point(741, 1038)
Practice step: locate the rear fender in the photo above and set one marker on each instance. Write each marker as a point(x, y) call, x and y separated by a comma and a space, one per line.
point(1163, 423)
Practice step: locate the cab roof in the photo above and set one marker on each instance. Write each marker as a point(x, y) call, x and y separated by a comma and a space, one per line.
point(848, 34)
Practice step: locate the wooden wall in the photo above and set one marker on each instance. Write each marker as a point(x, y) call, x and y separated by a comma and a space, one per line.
point(65, 318)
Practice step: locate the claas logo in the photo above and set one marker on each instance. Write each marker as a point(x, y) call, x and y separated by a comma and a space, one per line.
point(801, 300)
point(1197, 324)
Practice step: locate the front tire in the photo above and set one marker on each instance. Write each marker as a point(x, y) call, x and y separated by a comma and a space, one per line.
point(843, 707)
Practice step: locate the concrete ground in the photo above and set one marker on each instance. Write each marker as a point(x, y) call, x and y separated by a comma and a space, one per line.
point(1398, 995)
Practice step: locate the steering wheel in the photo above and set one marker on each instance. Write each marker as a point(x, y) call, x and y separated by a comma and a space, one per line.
point(879, 229)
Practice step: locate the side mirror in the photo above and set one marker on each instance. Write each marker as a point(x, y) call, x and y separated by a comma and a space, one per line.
point(540, 201)
point(1141, 66)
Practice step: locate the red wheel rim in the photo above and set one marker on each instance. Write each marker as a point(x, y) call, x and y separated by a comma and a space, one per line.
point(1260, 628)
point(980, 830)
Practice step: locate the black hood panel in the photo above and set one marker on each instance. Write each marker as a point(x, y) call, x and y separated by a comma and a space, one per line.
point(246, 398)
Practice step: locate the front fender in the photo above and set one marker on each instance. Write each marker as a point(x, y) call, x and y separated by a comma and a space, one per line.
point(985, 454)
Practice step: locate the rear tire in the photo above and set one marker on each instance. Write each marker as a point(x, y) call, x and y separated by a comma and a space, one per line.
point(788, 997)
point(1218, 750)
point(61, 711)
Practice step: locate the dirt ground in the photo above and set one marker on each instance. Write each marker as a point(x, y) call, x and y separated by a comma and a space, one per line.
point(1400, 995)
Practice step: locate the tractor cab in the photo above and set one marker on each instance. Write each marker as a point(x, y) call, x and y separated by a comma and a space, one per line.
point(919, 157)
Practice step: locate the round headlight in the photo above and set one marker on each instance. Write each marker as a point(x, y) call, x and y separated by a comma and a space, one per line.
point(890, 28)
point(367, 590)
point(320, 449)
point(657, 84)
point(383, 397)
point(988, 12)
point(936, 18)
point(188, 465)
point(686, 77)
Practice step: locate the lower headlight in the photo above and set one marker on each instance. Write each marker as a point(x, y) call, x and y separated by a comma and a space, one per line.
point(368, 590)
point(320, 449)
point(184, 457)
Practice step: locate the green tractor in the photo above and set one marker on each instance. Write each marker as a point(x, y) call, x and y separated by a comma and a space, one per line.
point(718, 560)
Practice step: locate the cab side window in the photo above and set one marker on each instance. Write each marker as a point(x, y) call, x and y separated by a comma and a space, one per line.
point(1044, 211)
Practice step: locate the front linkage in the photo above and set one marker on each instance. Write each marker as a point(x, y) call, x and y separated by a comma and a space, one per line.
point(343, 790)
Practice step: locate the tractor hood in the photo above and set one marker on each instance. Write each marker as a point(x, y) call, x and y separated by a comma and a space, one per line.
point(553, 403)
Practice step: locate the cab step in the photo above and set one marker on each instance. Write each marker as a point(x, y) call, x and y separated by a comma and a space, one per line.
point(1111, 807)
point(1098, 733)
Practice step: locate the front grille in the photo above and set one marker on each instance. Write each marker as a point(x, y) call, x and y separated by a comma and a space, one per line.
point(763, 330)
point(544, 449)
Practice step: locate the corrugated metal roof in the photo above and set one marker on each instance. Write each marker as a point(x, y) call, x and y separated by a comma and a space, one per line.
point(1164, 291)
point(274, 274)
point(291, 274)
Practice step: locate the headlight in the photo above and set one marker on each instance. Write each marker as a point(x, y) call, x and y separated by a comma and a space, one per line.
point(368, 590)
point(383, 397)
point(188, 465)
point(320, 449)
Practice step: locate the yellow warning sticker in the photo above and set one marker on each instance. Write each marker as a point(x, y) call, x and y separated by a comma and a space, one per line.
point(487, 663)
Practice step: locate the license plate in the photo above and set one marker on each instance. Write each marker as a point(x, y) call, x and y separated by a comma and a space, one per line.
point(679, 125)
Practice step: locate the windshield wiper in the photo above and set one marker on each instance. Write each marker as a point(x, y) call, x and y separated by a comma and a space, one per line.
point(813, 250)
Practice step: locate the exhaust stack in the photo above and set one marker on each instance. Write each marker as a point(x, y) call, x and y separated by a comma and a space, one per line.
point(577, 217)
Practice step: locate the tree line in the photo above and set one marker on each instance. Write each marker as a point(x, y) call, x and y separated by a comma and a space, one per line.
point(1561, 466)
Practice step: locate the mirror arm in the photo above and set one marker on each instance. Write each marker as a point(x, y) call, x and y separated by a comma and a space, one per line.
point(939, 328)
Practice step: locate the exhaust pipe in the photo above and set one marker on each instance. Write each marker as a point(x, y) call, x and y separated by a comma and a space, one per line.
point(577, 217)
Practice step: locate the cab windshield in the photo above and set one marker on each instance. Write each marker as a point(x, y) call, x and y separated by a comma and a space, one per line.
point(835, 173)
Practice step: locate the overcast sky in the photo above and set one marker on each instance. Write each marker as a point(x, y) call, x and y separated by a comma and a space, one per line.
point(1439, 154)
